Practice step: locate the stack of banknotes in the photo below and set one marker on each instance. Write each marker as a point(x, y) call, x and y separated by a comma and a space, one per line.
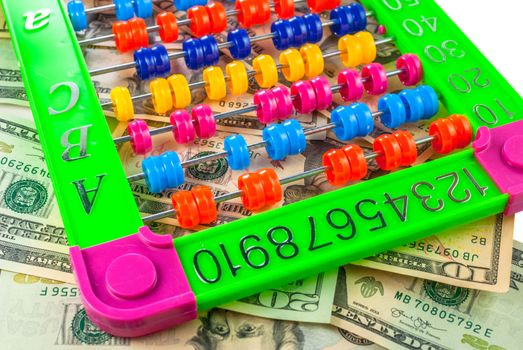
point(458, 289)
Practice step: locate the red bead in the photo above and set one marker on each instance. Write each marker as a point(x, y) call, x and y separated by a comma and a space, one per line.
point(284, 8)
point(218, 18)
point(409, 151)
point(338, 167)
point(271, 185)
point(318, 6)
point(138, 32)
point(263, 11)
point(389, 152)
point(122, 36)
point(445, 136)
point(253, 197)
point(246, 12)
point(186, 208)
point(205, 202)
point(168, 27)
point(463, 128)
point(358, 163)
point(200, 20)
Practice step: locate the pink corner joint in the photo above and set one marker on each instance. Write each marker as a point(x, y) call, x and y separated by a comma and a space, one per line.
point(134, 285)
point(500, 152)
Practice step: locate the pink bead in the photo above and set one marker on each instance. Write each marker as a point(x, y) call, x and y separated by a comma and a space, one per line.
point(412, 69)
point(323, 92)
point(203, 121)
point(284, 101)
point(382, 30)
point(183, 128)
point(351, 85)
point(267, 111)
point(141, 141)
point(375, 79)
point(304, 97)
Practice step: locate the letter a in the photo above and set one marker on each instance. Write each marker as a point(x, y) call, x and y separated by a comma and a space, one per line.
point(83, 193)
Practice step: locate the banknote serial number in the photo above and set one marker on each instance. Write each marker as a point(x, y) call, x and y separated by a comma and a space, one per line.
point(442, 251)
point(24, 167)
point(256, 251)
point(59, 291)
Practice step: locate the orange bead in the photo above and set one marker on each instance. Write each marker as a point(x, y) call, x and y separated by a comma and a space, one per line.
point(284, 8)
point(338, 167)
point(218, 18)
point(409, 151)
point(200, 20)
point(138, 32)
point(206, 204)
point(271, 185)
point(263, 11)
point(253, 197)
point(357, 161)
point(246, 12)
point(186, 208)
point(464, 129)
point(122, 36)
point(445, 136)
point(168, 27)
point(389, 152)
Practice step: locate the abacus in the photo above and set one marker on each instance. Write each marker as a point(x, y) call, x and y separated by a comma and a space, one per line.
point(135, 282)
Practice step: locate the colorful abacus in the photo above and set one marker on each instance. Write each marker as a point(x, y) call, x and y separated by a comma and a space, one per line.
point(135, 282)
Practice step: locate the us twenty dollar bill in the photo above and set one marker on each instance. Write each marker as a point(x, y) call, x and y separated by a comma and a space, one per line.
point(401, 312)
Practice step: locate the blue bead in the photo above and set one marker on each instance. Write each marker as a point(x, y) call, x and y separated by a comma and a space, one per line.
point(173, 169)
point(182, 5)
point(278, 145)
point(314, 28)
point(241, 43)
point(359, 16)
point(283, 34)
point(296, 135)
point(364, 117)
point(161, 60)
point(143, 8)
point(77, 15)
point(430, 100)
point(124, 9)
point(299, 31)
point(154, 172)
point(144, 62)
point(413, 105)
point(238, 154)
point(393, 109)
point(193, 53)
point(198, 2)
point(211, 53)
point(346, 122)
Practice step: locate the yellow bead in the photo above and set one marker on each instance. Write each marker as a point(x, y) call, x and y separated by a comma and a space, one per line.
point(314, 62)
point(180, 90)
point(215, 86)
point(368, 47)
point(122, 104)
point(351, 51)
point(266, 71)
point(161, 95)
point(293, 65)
point(238, 78)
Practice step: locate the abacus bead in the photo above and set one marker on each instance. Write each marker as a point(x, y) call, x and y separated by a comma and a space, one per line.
point(145, 63)
point(351, 85)
point(346, 123)
point(267, 110)
point(359, 16)
point(351, 51)
point(139, 35)
point(343, 21)
point(218, 17)
point(203, 121)
point(266, 71)
point(338, 167)
point(445, 136)
point(180, 89)
point(124, 9)
point(143, 8)
point(238, 78)
point(314, 27)
point(368, 46)
point(375, 79)
point(364, 117)
point(161, 59)
point(296, 135)
point(246, 12)
point(161, 95)
point(393, 110)
point(323, 92)
point(278, 145)
point(77, 15)
point(122, 36)
point(358, 163)
point(304, 97)
point(430, 100)
point(141, 141)
point(253, 196)
point(238, 155)
point(200, 20)
point(186, 209)
point(389, 152)
point(184, 5)
point(193, 53)
point(122, 104)
point(154, 174)
point(284, 8)
point(283, 100)
point(299, 30)
point(294, 67)
point(210, 50)
point(167, 26)
point(412, 69)
point(173, 169)
point(413, 105)
point(463, 129)
point(318, 6)
point(409, 151)
point(263, 11)
point(283, 34)
point(313, 60)
point(183, 127)
point(206, 204)
point(241, 43)
point(271, 185)
point(215, 86)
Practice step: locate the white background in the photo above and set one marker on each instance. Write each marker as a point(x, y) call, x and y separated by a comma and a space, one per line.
point(495, 28)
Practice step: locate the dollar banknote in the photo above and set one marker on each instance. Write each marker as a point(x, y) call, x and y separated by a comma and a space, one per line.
point(402, 312)
point(38, 313)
